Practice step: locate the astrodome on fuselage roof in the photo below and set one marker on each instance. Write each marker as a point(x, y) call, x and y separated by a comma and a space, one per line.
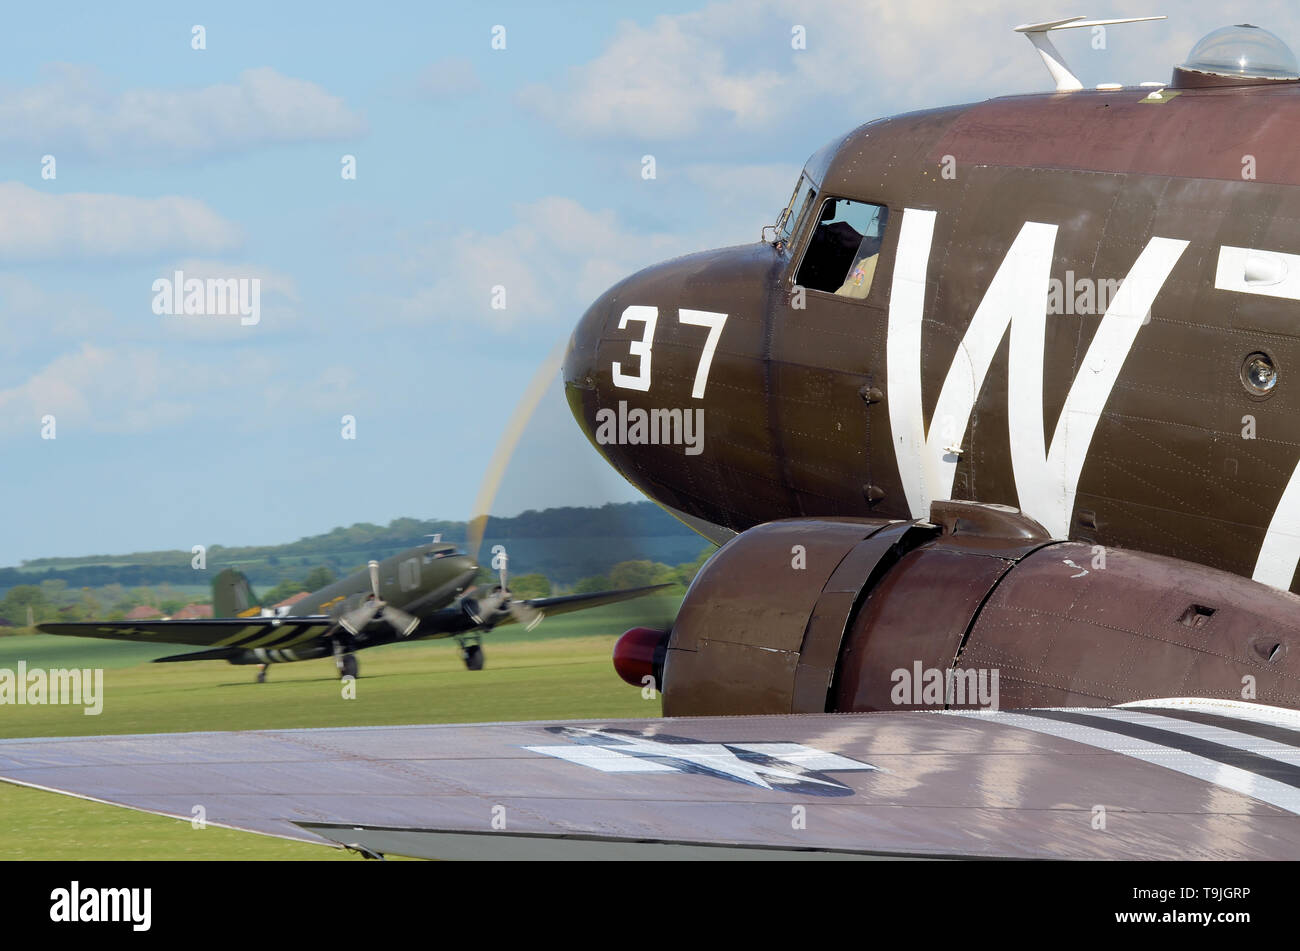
point(1242, 52)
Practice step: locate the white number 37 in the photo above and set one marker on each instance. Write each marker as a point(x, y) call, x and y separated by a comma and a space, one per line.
point(649, 316)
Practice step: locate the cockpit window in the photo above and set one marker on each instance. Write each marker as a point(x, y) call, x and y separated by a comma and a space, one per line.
point(787, 226)
point(432, 556)
point(843, 251)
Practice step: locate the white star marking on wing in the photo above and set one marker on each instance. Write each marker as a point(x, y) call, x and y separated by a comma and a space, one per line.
point(619, 752)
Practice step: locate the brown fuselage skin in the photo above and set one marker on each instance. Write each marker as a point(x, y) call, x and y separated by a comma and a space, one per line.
point(788, 432)
point(797, 420)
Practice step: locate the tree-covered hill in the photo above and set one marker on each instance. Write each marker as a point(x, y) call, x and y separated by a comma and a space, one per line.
point(564, 544)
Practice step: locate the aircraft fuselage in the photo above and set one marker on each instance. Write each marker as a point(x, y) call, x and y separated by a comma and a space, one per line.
point(1069, 305)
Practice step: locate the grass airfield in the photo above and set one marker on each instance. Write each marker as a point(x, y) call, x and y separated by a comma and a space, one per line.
point(560, 671)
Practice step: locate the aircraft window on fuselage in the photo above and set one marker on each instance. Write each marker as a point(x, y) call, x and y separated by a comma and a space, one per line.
point(843, 251)
point(432, 556)
point(792, 218)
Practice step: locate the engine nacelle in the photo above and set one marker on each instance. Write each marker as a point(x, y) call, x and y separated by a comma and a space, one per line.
point(977, 607)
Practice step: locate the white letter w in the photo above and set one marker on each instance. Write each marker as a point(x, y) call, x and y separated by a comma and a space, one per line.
point(1046, 479)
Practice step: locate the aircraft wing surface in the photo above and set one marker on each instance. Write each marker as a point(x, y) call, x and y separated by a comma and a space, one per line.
point(240, 632)
point(1165, 779)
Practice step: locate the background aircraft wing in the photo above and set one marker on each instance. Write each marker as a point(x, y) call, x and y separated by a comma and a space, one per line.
point(454, 620)
point(207, 632)
point(1169, 779)
point(563, 604)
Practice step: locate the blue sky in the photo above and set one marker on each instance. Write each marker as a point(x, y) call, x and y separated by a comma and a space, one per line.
point(476, 167)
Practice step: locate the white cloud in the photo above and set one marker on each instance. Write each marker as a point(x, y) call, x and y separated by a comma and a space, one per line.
point(732, 181)
point(748, 196)
point(324, 393)
point(37, 226)
point(100, 389)
point(76, 110)
point(273, 282)
point(134, 390)
point(555, 259)
point(34, 315)
point(662, 81)
point(277, 301)
point(729, 68)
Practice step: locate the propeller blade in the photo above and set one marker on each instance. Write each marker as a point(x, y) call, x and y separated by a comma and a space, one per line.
point(402, 622)
point(525, 614)
point(501, 558)
point(485, 611)
point(545, 375)
point(374, 578)
point(493, 604)
point(473, 610)
point(355, 621)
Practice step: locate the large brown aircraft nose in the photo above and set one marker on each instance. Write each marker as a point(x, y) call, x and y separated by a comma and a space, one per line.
point(580, 363)
point(580, 358)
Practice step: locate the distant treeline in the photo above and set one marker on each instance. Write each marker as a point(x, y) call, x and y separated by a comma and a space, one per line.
point(565, 544)
point(95, 576)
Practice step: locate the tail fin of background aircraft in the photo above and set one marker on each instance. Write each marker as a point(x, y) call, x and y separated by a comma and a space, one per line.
point(232, 595)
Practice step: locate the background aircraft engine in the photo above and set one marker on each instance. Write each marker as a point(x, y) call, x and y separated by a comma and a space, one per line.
point(976, 607)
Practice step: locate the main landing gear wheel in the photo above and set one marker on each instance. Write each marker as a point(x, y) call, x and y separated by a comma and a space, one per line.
point(471, 650)
point(261, 674)
point(348, 666)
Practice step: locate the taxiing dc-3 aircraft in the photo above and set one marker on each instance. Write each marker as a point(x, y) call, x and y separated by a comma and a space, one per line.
point(423, 592)
point(1000, 435)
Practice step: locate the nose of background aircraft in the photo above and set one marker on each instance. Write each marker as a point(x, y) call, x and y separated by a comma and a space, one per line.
point(467, 570)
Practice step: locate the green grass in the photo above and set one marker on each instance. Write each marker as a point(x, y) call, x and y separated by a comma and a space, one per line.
point(51, 827)
point(562, 671)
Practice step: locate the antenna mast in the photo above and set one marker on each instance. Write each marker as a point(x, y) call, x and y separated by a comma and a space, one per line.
point(1036, 33)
